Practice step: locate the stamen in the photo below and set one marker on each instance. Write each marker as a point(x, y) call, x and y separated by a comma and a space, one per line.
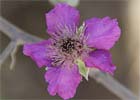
point(68, 45)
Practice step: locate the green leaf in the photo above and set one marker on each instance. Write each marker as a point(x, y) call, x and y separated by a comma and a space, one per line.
point(82, 68)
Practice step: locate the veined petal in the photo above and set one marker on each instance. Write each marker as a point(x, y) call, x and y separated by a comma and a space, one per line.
point(38, 52)
point(100, 59)
point(63, 19)
point(63, 80)
point(101, 33)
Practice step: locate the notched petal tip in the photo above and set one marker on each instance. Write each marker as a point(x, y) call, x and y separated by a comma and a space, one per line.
point(112, 70)
point(61, 19)
point(26, 51)
point(102, 33)
point(37, 51)
point(100, 59)
point(63, 81)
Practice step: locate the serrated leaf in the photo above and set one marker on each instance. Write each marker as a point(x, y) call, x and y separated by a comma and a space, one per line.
point(82, 69)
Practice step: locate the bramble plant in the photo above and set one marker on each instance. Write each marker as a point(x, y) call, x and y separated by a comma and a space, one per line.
point(71, 51)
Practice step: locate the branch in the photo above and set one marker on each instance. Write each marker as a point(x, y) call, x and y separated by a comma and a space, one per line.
point(17, 36)
point(13, 54)
point(14, 33)
point(113, 85)
point(21, 37)
point(7, 51)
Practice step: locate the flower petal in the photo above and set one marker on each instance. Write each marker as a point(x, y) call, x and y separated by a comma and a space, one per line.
point(63, 80)
point(38, 52)
point(100, 59)
point(101, 33)
point(63, 19)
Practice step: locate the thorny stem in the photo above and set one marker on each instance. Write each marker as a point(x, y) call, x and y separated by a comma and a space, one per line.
point(16, 35)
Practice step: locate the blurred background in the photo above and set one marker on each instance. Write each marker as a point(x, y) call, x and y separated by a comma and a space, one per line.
point(26, 80)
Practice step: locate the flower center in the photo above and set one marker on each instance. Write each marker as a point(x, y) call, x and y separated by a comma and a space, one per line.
point(68, 45)
point(69, 49)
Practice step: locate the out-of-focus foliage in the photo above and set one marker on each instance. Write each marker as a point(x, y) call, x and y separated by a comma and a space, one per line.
point(73, 3)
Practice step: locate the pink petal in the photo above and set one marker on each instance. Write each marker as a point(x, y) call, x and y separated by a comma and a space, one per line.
point(63, 19)
point(38, 52)
point(63, 80)
point(100, 59)
point(102, 33)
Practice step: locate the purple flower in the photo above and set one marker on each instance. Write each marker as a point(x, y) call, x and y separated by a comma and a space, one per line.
point(90, 43)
